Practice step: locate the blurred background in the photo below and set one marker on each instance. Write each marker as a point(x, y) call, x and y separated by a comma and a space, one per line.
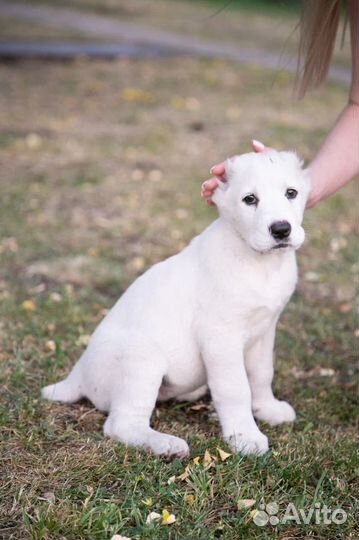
point(111, 114)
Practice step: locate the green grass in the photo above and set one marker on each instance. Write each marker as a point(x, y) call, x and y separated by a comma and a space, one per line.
point(83, 214)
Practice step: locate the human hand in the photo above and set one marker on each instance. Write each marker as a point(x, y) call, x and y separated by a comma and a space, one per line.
point(219, 171)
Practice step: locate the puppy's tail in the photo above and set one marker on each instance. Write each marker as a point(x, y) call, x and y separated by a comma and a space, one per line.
point(66, 391)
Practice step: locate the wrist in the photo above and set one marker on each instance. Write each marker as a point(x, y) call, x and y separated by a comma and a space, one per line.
point(317, 191)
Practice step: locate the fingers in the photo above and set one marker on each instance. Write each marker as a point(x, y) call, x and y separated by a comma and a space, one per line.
point(257, 146)
point(208, 188)
point(219, 169)
point(260, 147)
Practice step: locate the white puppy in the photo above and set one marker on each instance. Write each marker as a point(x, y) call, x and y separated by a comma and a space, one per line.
point(204, 316)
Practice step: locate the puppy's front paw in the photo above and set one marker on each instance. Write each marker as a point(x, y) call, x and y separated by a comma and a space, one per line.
point(274, 412)
point(249, 443)
point(167, 445)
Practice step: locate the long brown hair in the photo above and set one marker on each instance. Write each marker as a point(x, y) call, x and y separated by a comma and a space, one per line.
point(318, 29)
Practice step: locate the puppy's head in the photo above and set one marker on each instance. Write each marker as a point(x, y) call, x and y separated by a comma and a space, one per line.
point(264, 199)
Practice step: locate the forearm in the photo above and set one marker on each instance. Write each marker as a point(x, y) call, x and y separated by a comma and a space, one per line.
point(337, 162)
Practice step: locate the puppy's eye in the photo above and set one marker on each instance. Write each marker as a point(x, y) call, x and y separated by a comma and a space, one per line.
point(291, 193)
point(250, 200)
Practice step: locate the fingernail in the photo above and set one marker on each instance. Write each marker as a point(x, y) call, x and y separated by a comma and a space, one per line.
point(257, 143)
point(211, 169)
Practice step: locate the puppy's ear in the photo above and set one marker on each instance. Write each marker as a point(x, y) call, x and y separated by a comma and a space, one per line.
point(292, 159)
point(219, 194)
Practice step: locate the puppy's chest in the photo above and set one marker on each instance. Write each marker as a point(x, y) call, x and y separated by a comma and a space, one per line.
point(269, 294)
point(255, 318)
point(258, 297)
point(257, 312)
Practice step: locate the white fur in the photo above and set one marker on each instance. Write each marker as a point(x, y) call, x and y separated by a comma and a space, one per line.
point(204, 316)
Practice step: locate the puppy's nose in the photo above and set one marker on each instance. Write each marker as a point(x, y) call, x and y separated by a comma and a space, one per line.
point(280, 230)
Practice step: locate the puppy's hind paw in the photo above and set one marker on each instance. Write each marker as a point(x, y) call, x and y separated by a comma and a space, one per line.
point(64, 391)
point(274, 412)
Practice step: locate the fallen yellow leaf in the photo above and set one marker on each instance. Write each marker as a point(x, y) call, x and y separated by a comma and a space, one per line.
point(189, 103)
point(245, 503)
point(33, 141)
point(28, 305)
point(92, 252)
point(223, 455)
point(167, 518)
point(50, 345)
point(196, 460)
point(138, 263)
point(83, 340)
point(178, 102)
point(137, 95)
point(199, 406)
point(185, 473)
point(55, 297)
point(251, 515)
point(207, 459)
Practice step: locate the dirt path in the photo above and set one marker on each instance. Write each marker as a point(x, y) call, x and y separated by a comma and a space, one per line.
point(70, 49)
point(97, 26)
